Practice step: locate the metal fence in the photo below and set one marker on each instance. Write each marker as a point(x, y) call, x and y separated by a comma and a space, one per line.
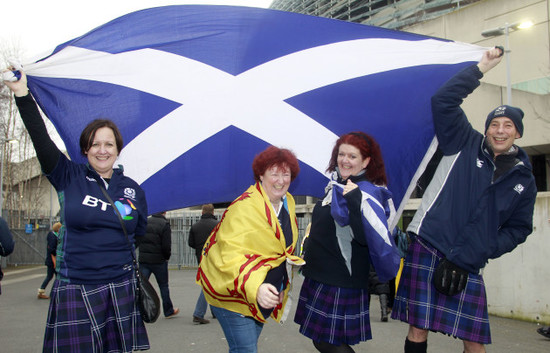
point(181, 222)
point(30, 249)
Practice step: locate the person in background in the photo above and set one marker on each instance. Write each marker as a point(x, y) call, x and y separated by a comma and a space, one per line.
point(303, 244)
point(333, 309)
point(402, 241)
point(51, 249)
point(545, 331)
point(382, 290)
point(7, 244)
point(198, 234)
point(155, 249)
point(243, 270)
point(93, 306)
point(478, 206)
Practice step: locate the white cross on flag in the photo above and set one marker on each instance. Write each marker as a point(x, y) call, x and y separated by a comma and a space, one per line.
point(197, 91)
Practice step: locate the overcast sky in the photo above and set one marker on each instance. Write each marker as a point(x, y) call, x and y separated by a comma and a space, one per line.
point(35, 27)
point(38, 26)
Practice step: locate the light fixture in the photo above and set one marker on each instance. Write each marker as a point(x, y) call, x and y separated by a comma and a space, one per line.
point(525, 25)
point(505, 30)
point(493, 32)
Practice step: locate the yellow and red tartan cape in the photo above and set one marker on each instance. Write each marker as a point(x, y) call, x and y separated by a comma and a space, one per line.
point(244, 246)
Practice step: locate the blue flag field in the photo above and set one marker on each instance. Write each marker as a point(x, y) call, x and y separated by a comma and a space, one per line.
point(198, 90)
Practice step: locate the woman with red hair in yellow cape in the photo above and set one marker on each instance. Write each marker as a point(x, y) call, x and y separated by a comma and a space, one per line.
point(245, 268)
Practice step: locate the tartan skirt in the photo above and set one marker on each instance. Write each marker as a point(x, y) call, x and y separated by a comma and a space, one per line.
point(94, 318)
point(418, 303)
point(333, 314)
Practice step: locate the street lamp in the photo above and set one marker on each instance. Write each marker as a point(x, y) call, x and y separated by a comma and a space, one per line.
point(3, 143)
point(505, 29)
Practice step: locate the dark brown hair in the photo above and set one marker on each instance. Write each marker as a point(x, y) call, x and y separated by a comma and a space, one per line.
point(88, 134)
point(368, 147)
point(274, 156)
point(208, 208)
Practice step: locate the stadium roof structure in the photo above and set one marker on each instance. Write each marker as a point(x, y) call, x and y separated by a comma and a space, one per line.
point(394, 14)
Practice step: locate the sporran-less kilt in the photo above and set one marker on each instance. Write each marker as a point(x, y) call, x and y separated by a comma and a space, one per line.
point(333, 314)
point(94, 318)
point(418, 303)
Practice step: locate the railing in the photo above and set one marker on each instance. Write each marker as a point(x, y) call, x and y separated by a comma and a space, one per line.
point(181, 222)
point(30, 249)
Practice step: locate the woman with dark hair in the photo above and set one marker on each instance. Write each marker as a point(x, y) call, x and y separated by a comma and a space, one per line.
point(92, 306)
point(333, 309)
point(243, 270)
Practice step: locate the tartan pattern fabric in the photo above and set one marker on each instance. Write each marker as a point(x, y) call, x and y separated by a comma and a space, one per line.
point(333, 314)
point(418, 303)
point(94, 318)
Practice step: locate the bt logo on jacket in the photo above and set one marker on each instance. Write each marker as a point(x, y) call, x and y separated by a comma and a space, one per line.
point(124, 206)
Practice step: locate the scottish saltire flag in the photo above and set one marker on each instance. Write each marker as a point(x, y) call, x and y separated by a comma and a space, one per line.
point(377, 210)
point(199, 90)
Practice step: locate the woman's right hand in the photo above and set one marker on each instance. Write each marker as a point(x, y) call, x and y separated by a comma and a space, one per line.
point(350, 186)
point(19, 88)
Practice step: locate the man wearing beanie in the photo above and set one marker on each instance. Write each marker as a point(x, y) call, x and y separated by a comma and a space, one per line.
point(478, 206)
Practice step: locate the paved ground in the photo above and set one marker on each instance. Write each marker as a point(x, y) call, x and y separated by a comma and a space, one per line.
point(22, 319)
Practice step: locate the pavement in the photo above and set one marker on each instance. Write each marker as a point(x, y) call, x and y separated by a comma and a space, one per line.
point(23, 317)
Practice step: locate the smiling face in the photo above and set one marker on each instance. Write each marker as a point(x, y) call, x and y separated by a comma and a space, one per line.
point(103, 152)
point(275, 182)
point(350, 162)
point(501, 135)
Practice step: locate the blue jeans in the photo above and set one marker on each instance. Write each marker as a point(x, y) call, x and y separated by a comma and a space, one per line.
point(241, 332)
point(201, 306)
point(49, 276)
point(161, 275)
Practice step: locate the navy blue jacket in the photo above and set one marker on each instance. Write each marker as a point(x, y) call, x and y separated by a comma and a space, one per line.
point(6, 239)
point(51, 248)
point(92, 247)
point(464, 213)
point(6, 243)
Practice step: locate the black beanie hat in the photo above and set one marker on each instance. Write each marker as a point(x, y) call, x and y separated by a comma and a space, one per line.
point(513, 113)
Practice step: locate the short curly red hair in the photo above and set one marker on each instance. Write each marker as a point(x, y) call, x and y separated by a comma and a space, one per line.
point(367, 145)
point(274, 156)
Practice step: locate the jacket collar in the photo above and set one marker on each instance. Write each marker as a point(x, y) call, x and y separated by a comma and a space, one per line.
point(207, 215)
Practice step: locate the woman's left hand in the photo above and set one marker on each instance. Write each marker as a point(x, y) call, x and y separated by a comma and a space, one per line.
point(268, 297)
point(350, 186)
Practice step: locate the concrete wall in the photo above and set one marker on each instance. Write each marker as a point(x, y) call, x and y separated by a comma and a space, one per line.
point(529, 59)
point(518, 283)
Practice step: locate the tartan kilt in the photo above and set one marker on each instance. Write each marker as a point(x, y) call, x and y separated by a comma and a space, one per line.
point(94, 318)
point(418, 303)
point(333, 314)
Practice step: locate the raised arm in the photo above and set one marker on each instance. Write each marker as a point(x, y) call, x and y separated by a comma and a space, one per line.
point(46, 150)
point(452, 127)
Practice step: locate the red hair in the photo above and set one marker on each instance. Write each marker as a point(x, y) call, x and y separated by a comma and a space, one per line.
point(368, 147)
point(274, 156)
